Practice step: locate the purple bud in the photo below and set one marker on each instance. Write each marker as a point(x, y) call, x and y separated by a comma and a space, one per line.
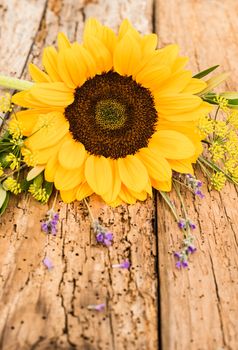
point(124, 265)
point(182, 224)
point(192, 225)
point(44, 227)
point(191, 249)
point(99, 307)
point(107, 243)
point(199, 193)
point(184, 264)
point(177, 255)
point(178, 264)
point(109, 236)
point(199, 183)
point(48, 263)
point(100, 237)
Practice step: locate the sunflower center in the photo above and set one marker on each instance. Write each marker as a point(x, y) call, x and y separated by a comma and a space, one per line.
point(112, 115)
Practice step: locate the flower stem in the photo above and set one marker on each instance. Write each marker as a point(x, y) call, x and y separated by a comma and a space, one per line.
point(14, 83)
point(89, 210)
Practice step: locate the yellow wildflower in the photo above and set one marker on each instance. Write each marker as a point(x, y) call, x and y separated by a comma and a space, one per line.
point(5, 103)
point(218, 180)
point(39, 194)
point(233, 118)
point(205, 126)
point(12, 185)
point(230, 165)
point(222, 102)
point(14, 161)
point(15, 128)
point(217, 151)
point(28, 157)
point(221, 128)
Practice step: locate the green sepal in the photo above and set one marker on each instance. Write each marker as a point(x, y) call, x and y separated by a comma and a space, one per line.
point(38, 180)
point(205, 72)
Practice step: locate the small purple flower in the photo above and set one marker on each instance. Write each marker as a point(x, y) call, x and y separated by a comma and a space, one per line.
point(48, 263)
point(98, 307)
point(123, 265)
point(181, 264)
point(104, 238)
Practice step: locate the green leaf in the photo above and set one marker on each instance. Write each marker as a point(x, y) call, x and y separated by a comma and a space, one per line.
point(214, 82)
point(34, 172)
point(205, 72)
point(5, 204)
point(25, 185)
point(3, 195)
point(48, 186)
point(230, 94)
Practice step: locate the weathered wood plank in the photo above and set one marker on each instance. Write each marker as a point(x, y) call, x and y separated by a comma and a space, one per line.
point(47, 310)
point(199, 306)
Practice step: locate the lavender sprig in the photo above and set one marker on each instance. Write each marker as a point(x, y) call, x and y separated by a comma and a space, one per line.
point(194, 184)
point(49, 225)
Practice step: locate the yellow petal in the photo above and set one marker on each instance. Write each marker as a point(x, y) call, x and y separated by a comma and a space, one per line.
point(116, 184)
point(28, 119)
point(44, 154)
point(172, 144)
point(67, 179)
point(152, 78)
point(49, 61)
point(37, 74)
point(149, 43)
point(176, 83)
point(51, 168)
point(85, 58)
point(52, 94)
point(126, 27)
point(98, 174)
point(126, 196)
point(71, 154)
point(162, 185)
point(127, 55)
point(158, 168)
point(25, 99)
point(133, 173)
point(165, 57)
point(193, 115)
point(195, 86)
point(83, 191)
point(179, 64)
point(183, 166)
point(100, 54)
point(48, 131)
point(68, 196)
point(103, 33)
point(178, 103)
point(63, 42)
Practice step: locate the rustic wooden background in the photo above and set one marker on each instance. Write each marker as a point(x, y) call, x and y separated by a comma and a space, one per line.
point(153, 305)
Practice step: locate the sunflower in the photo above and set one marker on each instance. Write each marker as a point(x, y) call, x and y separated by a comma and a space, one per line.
point(113, 115)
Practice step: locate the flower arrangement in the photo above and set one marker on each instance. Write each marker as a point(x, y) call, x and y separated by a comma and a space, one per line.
point(117, 117)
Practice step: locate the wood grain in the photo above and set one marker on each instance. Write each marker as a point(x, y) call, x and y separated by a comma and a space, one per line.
point(199, 306)
point(43, 309)
point(151, 306)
